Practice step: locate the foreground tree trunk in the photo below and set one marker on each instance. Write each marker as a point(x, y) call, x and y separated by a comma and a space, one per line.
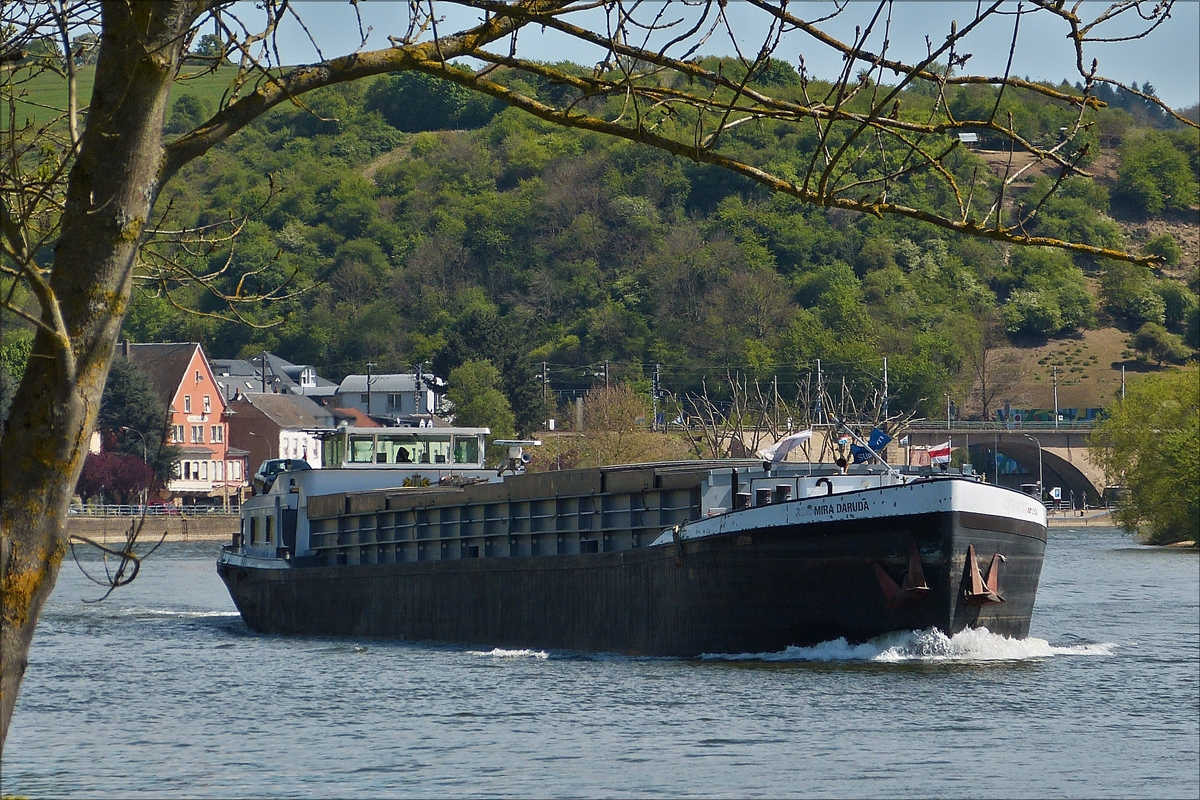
point(110, 194)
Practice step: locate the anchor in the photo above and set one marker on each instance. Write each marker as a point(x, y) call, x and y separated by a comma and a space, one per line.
point(983, 591)
point(912, 590)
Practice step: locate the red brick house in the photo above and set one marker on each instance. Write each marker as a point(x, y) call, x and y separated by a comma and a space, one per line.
point(209, 472)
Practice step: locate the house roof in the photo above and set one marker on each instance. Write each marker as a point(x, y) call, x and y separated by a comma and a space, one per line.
point(165, 364)
point(291, 411)
point(353, 417)
point(357, 384)
point(245, 375)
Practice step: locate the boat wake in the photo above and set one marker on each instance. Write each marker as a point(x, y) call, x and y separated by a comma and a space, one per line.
point(500, 652)
point(927, 646)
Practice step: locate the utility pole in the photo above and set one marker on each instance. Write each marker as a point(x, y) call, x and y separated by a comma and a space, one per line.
point(1055, 373)
point(657, 368)
point(369, 365)
point(545, 384)
point(885, 390)
point(947, 412)
point(264, 371)
point(606, 376)
point(775, 400)
point(1122, 381)
point(417, 392)
point(820, 395)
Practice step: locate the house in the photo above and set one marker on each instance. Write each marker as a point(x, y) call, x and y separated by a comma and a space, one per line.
point(278, 426)
point(270, 373)
point(405, 399)
point(208, 470)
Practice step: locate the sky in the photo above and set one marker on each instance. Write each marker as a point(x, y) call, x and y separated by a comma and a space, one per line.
point(1169, 58)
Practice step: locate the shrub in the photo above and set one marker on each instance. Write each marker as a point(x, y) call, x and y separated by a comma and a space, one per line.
point(1164, 245)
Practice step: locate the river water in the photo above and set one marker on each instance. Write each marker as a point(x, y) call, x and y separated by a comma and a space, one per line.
point(161, 690)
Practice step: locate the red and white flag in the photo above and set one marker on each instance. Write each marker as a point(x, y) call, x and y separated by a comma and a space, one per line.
point(939, 453)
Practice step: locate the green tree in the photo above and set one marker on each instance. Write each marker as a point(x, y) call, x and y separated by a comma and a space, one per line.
point(1154, 175)
point(1156, 343)
point(1165, 246)
point(1150, 444)
point(133, 416)
point(1128, 293)
point(187, 112)
point(415, 102)
point(474, 391)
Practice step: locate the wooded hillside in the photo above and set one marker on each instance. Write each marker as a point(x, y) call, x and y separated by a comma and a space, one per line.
point(415, 222)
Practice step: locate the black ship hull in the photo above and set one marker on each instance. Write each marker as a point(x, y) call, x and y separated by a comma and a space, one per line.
point(749, 591)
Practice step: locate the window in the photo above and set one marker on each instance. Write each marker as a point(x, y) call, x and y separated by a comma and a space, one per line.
point(235, 470)
point(187, 470)
point(177, 434)
point(203, 470)
point(395, 402)
point(207, 404)
point(187, 404)
point(366, 398)
point(362, 449)
point(466, 450)
point(218, 434)
point(219, 473)
point(270, 529)
point(198, 434)
point(253, 530)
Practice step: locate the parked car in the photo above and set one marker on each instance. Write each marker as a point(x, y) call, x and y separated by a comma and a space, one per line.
point(272, 468)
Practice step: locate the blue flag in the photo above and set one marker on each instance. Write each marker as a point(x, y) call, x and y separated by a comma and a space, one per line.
point(861, 454)
point(878, 439)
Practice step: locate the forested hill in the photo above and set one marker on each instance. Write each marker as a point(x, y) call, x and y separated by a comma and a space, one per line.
point(425, 224)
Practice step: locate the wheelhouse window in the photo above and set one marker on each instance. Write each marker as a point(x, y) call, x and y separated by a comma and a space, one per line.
point(362, 449)
point(466, 450)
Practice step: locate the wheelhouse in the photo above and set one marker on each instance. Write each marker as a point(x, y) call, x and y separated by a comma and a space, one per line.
point(358, 448)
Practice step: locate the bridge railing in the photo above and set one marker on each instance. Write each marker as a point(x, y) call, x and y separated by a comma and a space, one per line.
point(1001, 427)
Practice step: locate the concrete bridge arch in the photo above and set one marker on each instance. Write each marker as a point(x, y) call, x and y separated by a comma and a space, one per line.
point(1065, 459)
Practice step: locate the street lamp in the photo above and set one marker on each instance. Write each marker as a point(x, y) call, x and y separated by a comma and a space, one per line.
point(266, 440)
point(1039, 451)
point(145, 457)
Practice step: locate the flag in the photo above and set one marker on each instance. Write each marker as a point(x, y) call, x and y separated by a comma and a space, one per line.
point(904, 442)
point(861, 454)
point(878, 440)
point(939, 453)
point(780, 450)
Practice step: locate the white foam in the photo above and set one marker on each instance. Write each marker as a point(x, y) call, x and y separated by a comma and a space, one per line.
point(970, 645)
point(166, 612)
point(500, 652)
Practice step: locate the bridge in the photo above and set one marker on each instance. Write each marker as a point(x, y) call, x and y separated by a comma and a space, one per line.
point(1058, 452)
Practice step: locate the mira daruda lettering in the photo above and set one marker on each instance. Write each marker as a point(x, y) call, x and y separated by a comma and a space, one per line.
point(841, 508)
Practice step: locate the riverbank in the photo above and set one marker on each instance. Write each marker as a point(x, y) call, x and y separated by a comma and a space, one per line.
point(199, 528)
point(1096, 518)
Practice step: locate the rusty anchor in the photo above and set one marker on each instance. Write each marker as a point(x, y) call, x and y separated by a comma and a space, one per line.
point(912, 590)
point(983, 591)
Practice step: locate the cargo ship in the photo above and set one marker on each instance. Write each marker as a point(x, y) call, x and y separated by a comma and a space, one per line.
point(406, 534)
